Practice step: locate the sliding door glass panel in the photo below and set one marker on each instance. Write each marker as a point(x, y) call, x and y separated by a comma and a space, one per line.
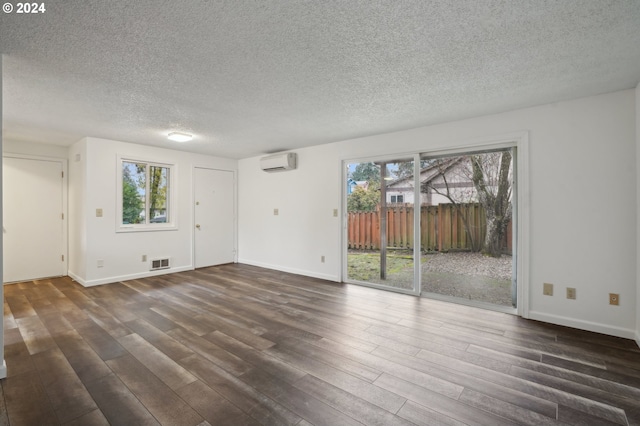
point(466, 227)
point(380, 224)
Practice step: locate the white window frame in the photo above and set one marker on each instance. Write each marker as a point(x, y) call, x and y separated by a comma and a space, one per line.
point(172, 224)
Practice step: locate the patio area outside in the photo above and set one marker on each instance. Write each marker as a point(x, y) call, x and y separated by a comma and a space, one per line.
point(466, 275)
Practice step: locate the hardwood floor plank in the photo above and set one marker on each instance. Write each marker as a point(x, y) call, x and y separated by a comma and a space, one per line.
point(35, 334)
point(238, 344)
point(211, 351)
point(256, 358)
point(183, 319)
point(105, 345)
point(27, 401)
point(309, 408)
point(166, 369)
point(159, 399)
point(19, 306)
point(86, 363)
point(339, 362)
point(444, 405)
point(349, 404)
point(423, 416)
point(16, 354)
point(504, 409)
point(160, 340)
point(260, 407)
point(67, 394)
point(340, 379)
point(94, 418)
point(214, 407)
point(118, 404)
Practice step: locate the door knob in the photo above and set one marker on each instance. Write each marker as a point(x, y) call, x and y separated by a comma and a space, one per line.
point(198, 226)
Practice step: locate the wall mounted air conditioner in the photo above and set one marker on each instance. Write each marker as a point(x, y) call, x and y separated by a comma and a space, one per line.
point(279, 162)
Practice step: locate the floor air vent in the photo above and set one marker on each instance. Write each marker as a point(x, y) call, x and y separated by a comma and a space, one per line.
point(159, 264)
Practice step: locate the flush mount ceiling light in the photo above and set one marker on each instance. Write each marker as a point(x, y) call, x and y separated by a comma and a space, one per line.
point(179, 137)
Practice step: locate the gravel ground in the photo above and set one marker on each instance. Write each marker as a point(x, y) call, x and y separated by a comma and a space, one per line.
point(465, 275)
point(470, 276)
point(470, 264)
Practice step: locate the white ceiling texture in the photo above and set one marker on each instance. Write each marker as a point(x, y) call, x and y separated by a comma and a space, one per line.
point(247, 77)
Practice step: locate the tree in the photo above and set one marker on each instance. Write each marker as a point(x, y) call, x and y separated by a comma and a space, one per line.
point(405, 168)
point(490, 174)
point(158, 190)
point(364, 200)
point(491, 178)
point(132, 205)
point(458, 171)
point(366, 172)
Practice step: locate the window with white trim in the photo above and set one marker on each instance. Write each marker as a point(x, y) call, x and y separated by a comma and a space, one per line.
point(145, 195)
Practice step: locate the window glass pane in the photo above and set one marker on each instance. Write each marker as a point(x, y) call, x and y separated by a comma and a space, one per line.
point(158, 192)
point(133, 192)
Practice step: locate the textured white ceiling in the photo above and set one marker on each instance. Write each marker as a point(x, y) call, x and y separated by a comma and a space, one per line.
point(248, 77)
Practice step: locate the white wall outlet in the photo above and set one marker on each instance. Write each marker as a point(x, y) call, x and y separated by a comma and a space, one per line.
point(98, 212)
point(322, 259)
point(144, 257)
point(335, 212)
point(571, 293)
point(276, 212)
point(547, 289)
point(100, 263)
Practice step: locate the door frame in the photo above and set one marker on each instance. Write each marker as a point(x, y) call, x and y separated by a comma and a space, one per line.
point(415, 157)
point(521, 226)
point(193, 211)
point(64, 183)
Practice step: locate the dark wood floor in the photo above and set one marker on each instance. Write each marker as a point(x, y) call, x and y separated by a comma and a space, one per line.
point(239, 345)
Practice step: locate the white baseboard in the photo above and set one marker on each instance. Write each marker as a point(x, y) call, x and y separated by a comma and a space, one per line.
point(626, 333)
point(328, 277)
point(109, 280)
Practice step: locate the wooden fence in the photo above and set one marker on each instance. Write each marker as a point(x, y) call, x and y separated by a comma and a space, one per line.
point(442, 228)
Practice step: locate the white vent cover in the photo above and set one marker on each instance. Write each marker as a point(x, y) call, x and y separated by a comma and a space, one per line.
point(279, 162)
point(159, 264)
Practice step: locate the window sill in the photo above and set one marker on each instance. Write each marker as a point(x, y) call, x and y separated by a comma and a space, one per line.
point(147, 228)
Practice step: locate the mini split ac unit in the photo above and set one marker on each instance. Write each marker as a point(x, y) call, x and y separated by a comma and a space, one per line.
point(279, 162)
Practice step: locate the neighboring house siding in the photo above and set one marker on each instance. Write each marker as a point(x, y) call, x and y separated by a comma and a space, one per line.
point(460, 187)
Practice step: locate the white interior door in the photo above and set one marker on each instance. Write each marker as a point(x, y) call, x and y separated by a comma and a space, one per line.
point(33, 223)
point(214, 217)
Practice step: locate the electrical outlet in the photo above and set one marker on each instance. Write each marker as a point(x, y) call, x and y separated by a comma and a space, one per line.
point(547, 289)
point(98, 212)
point(276, 212)
point(100, 263)
point(335, 212)
point(144, 257)
point(322, 259)
point(614, 299)
point(571, 293)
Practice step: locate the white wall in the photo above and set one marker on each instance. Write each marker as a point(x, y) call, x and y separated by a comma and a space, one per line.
point(578, 238)
point(3, 366)
point(638, 214)
point(35, 149)
point(77, 209)
point(95, 238)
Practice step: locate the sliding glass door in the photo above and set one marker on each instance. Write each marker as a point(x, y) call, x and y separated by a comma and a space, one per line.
point(467, 224)
point(438, 224)
point(381, 224)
